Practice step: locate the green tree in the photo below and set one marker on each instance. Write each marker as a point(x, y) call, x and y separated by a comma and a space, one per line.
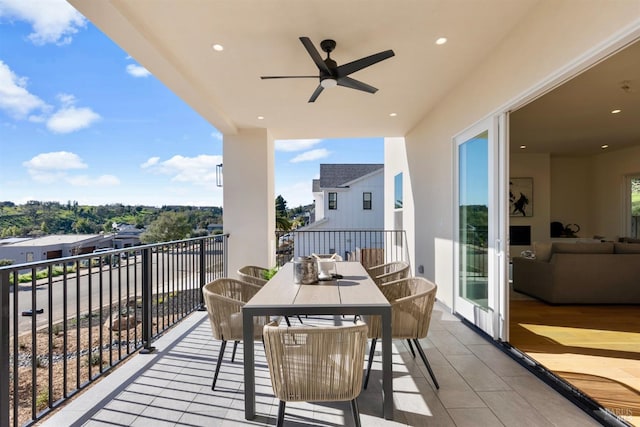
point(281, 206)
point(169, 226)
point(283, 223)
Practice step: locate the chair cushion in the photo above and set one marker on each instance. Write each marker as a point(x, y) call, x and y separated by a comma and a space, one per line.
point(232, 330)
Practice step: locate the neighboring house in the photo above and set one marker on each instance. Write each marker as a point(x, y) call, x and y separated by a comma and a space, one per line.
point(54, 246)
point(126, 236)
point(349, 196)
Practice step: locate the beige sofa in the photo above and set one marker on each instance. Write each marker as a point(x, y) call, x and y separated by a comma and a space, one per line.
point(580, 273)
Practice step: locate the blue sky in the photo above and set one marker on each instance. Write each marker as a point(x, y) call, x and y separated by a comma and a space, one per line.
point(81, 120)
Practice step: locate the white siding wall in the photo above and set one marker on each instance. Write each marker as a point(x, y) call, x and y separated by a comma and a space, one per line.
point(319, 205)
point(350, 214)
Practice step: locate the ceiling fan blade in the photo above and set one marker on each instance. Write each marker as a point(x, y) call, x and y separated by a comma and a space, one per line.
point(315, 55)
point(316, 93)
point(352, 67)
point(356, 84)
point(288, 77)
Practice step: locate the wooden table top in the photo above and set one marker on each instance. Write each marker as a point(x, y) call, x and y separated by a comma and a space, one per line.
point(355, 289)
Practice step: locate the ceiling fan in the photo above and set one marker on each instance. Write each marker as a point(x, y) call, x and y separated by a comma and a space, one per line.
point(331, 74)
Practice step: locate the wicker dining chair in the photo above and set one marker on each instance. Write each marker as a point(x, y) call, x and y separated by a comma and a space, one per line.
point(412, 302)
point(389, 272)
point(316, 364)
point(224, 298)
point(253, 274)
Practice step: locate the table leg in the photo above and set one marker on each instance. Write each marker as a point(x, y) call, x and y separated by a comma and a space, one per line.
point(249, 366)
point(387, 367)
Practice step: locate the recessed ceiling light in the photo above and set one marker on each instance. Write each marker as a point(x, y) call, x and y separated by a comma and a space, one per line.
point(441, 40)
point(260, 117)
point(522, 147)
point(616, 111)
point(218, 47)
point(393, 114)
point(604, 146)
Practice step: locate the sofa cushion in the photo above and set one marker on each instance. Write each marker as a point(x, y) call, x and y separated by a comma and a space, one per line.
point(626, 248)
point(542, 250)
point(583, 248)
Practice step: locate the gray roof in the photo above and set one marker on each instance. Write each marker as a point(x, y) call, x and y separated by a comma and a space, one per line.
point(59, 239)
point(337, 175)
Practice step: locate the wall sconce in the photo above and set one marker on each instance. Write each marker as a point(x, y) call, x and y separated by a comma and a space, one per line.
point(219, 175)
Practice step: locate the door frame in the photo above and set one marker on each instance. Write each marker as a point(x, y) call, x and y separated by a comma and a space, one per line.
point(492, 320)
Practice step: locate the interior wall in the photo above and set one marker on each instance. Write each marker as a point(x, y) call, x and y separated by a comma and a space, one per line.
point(536, 166)
point(551, 38)
point(572, 192)
point(585, 190)
point(609, 173)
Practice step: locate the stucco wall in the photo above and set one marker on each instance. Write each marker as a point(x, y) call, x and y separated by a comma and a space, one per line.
point(557, 36)
point(586, 190)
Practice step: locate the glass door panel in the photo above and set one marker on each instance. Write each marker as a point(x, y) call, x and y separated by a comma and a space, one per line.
point(473, 205)
point(480, 271)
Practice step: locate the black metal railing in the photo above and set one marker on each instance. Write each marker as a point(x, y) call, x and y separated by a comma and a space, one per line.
point(66, 322)
point(371, 247)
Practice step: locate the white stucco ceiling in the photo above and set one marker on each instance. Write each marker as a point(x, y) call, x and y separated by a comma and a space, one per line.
point(173, 39)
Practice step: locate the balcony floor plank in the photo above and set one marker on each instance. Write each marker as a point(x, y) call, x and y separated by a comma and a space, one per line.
point(172, 387)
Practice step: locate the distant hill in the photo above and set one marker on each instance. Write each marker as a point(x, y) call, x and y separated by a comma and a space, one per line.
point(37, 218)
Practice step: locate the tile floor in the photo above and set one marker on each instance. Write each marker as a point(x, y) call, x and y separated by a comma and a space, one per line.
point(479, 386)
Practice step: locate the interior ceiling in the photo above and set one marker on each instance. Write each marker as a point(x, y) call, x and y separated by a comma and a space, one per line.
point(173, 39)
point(575, 118)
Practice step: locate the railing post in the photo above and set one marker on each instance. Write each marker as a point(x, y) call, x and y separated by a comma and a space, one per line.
point(147, 299)
point(203, 271)
point(4, 345)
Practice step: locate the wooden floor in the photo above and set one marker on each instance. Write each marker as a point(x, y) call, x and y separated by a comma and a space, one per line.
point(595, 348)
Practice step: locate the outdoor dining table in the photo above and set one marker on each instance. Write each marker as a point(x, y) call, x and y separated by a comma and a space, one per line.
point(354, 293)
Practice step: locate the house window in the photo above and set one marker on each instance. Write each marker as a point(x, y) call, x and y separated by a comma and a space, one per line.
point(397, 191)
point(333, 201)
point(366, 201)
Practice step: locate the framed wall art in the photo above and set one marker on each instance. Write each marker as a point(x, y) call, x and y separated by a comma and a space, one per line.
point(521, 197)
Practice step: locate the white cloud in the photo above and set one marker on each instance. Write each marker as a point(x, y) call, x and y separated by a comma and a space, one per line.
point(295, 144)
point(19, 103)
point(59, 160)
point(217, 135)
point(52, 21)
point(66, 99)
point(311, 155)
point(199, 170)
point(152, 161)
point(137, 70)
point(15, 99)
point(71, 119)
point(54, 167)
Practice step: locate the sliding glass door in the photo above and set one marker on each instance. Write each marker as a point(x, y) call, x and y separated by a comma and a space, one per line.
point(480, 228)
